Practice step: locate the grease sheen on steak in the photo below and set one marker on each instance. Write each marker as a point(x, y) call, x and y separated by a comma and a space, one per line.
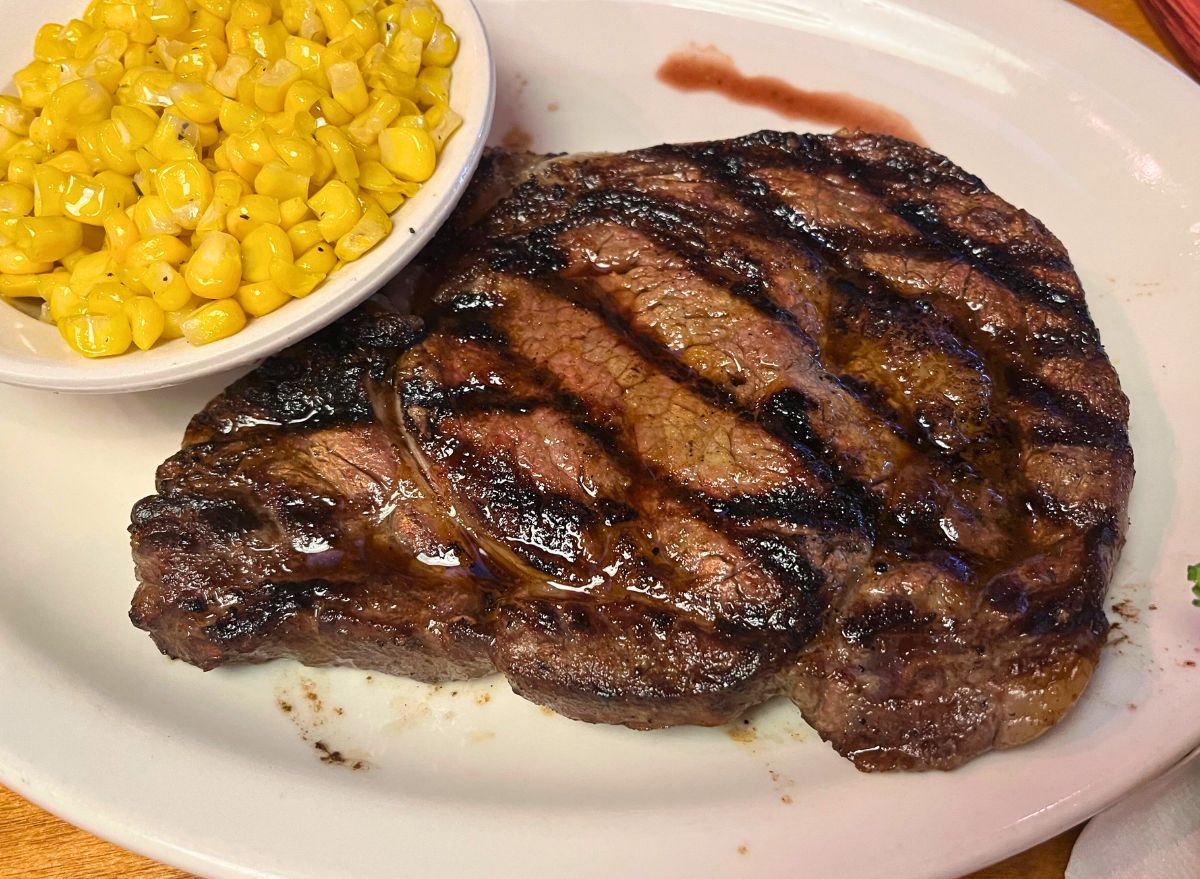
point(672, 431)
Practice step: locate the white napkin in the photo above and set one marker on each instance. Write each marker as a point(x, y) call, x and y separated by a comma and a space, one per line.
point(1154, 833)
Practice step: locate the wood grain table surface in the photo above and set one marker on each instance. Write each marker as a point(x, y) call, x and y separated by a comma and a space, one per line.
point(36, 845)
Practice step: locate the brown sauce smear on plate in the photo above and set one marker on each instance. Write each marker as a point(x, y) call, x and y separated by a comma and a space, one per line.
point(707, 69)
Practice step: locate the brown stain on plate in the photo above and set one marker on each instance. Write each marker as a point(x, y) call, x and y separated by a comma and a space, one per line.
point(708, 69)
point(517, 139)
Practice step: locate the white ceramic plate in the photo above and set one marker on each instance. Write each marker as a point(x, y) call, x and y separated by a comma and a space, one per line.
point(33, 354)
point(1057, 112)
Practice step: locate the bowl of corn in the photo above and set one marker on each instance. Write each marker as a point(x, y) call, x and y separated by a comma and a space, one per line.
point(188, 186)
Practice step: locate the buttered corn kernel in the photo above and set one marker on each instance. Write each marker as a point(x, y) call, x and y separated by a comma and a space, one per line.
point(337, 209)
point(172, 168)
point(215, 269)
point(216, 320)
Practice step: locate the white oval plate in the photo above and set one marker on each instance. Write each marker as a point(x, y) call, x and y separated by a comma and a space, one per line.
point(33, 354)
point(1056, 112)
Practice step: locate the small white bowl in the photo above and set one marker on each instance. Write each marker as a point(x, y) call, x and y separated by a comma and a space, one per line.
point(33, 354)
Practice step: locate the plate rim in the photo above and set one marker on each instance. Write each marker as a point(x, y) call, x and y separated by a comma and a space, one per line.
point(1016, 837)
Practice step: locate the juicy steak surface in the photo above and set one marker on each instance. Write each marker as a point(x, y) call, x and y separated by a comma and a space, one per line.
point(662, 434)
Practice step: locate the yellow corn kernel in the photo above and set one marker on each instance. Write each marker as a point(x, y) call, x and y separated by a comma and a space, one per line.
point(238, 118)
point(441, 122)
point(389, 201)
point(15, 261)
point(95, 268)
point(72, 259)
point(214, 217)
point(49, 190)
point(268, 40)
point(298, 153)
point(127, 18)
point(339, 149)
point(36, 82)
point(404, 53)
point(120, 233)
point(106, 298)
point(48, 44)
point(169, 18)
point(305, 235)
point(272, 86)
point(146, 321)
point(153, 216)
point(121, 189)
point(347, 87)
point(64, 301)
point(16, 199)
point(47, 239)
point(21, 170)
point(302, 97)
point(50, 282)
point(373, 176)
point(101, 144)
point(333, 112)
point(96, 335)
point(362, 29)
point(260, 298)
point(335, 15)
point(293, 211)
point(173, 320)
point(373, 227)
point(230, 185)
point(21, 286)
point(319, 258)
point(174, 139)
point(257, 146)
point(293, 280)
point(213, 321)
point(260, 247)
point(166, 286)
point(135, 125)
point(187, 188)
point(8, 140)
point(292, 12)
point(433, 86)
point(71, 161)
point(106, 44)
point(43, 133)
point(196, 101)
point(221, 9)
point(309, 56)
point(14, 116)
point(367, 125)
point(147, 86)
point(408, 153)
point(227, 78)
point(250, 212)
point(159, 248)
point(57, 192)
point(215, 269)
point(248, 13)
point(442, 48)
point(280, 182)
point(337, 210)
point(421, 19)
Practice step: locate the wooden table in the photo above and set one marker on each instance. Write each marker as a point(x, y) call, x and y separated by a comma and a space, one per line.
point(36, 845)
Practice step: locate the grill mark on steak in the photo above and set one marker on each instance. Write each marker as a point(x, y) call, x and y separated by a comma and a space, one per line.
point(659, 518)
point(830, 514)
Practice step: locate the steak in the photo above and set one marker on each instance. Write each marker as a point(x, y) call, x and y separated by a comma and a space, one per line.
point(662, 434)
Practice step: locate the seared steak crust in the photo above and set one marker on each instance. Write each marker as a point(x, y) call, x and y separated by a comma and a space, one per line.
point(673, 431)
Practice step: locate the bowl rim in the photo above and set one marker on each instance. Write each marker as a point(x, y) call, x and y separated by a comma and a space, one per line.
point(357, 282)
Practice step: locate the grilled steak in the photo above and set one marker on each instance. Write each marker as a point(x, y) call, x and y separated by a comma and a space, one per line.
point(661, 434)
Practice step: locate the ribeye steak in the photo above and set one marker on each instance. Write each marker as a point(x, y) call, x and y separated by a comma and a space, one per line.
point(659, 435)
